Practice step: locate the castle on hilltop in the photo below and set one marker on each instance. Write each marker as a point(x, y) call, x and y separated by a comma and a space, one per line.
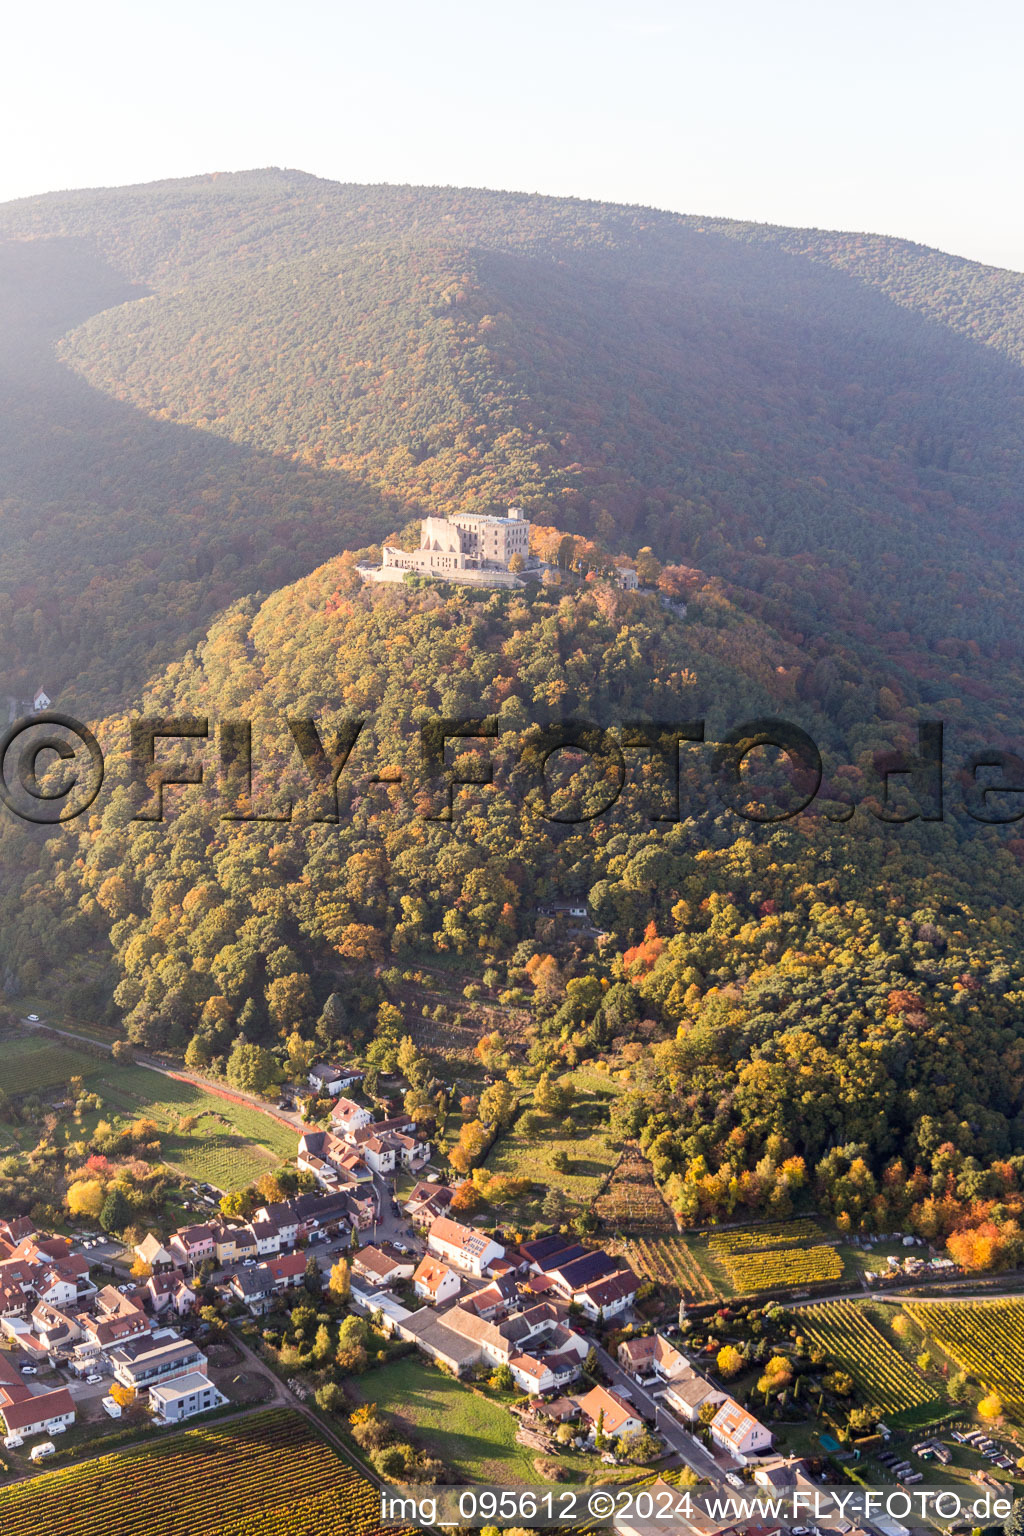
point(468, 547)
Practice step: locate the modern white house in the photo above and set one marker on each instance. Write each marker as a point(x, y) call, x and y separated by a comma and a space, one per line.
point(174, 1401)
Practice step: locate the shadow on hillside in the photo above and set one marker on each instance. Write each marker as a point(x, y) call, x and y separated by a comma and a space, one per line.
point(121, 534)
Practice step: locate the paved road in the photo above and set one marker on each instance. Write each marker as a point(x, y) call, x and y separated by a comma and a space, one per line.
point(694, 1455)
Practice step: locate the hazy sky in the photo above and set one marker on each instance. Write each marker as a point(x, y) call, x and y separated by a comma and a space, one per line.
point(901, 117)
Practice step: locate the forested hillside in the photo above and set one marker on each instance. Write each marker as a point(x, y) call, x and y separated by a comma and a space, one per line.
point(826, 1001)
point(811, 444)
point(833, 422)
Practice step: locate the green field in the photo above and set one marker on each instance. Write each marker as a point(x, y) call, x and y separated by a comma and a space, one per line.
point(475, 1436)
point(591, 1158)
point(229, 1145)
point(32, 1064)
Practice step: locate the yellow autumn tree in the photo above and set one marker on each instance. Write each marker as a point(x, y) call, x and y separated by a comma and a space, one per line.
point(85, 1198)
point(729, 1361)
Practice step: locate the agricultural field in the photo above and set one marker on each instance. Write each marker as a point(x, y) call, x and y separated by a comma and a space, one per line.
point(670, 1261)
point(265, 1475)
point(770, 1269)
point(206, 1137)
point(740, 1261)
point(33, 1064)
point(641, 1228)
point(849, 1339)
point(983, 1338)
point(773, 1234)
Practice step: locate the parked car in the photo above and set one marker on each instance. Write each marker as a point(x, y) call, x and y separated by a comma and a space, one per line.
point(28, 1370)
point(33, 1018)
point(58, 1429)
point(94, 1378)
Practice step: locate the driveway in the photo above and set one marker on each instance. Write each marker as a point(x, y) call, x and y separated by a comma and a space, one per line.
point(678, 1438)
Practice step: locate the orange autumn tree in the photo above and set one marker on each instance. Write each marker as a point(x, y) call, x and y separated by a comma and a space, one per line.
point(976, 1248)
point(641, 958)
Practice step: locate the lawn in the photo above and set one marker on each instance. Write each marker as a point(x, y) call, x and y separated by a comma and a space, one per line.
point(474, 1435)
point(33, 1065)
point(206, 1137)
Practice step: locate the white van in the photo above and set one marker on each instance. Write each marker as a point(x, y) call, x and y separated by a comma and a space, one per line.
point(47, 1448)
point(11, 1442)
point(111, 1408)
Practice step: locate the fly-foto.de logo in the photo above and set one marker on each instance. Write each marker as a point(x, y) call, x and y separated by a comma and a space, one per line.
point(52, 769)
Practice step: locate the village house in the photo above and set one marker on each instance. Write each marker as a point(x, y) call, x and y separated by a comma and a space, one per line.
point(151, 1251)
point(435, 1282)
point(325, 1079)
point(554, 1410)
point(232, 1245)
point(27, 1412)
point(142, 1363)
point(115, 1317)
point(738, 1432)
point(466, 1248)
point(496, 1300)
point(259, 1286)
point(169, 1291)
point(427, 1202)
point(268, 1237)
point(587, 1276)
point(14, 1228)
point(42, 1269)
point(335, 1213)
point(348, 1116)
point(285, 1272)
point(253, 1288)
point(331, 1160)
point(387, 1144)
point(193, 1245)
point(543, 1373)
point(687, 1395)
point(282, 1216)
point(609, 1297)
point(652, 1357)
point(603, 1406)
point(382, 1267)
point(552, 1360)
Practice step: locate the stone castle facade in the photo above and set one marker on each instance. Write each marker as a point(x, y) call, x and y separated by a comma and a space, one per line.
point(468, 547)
